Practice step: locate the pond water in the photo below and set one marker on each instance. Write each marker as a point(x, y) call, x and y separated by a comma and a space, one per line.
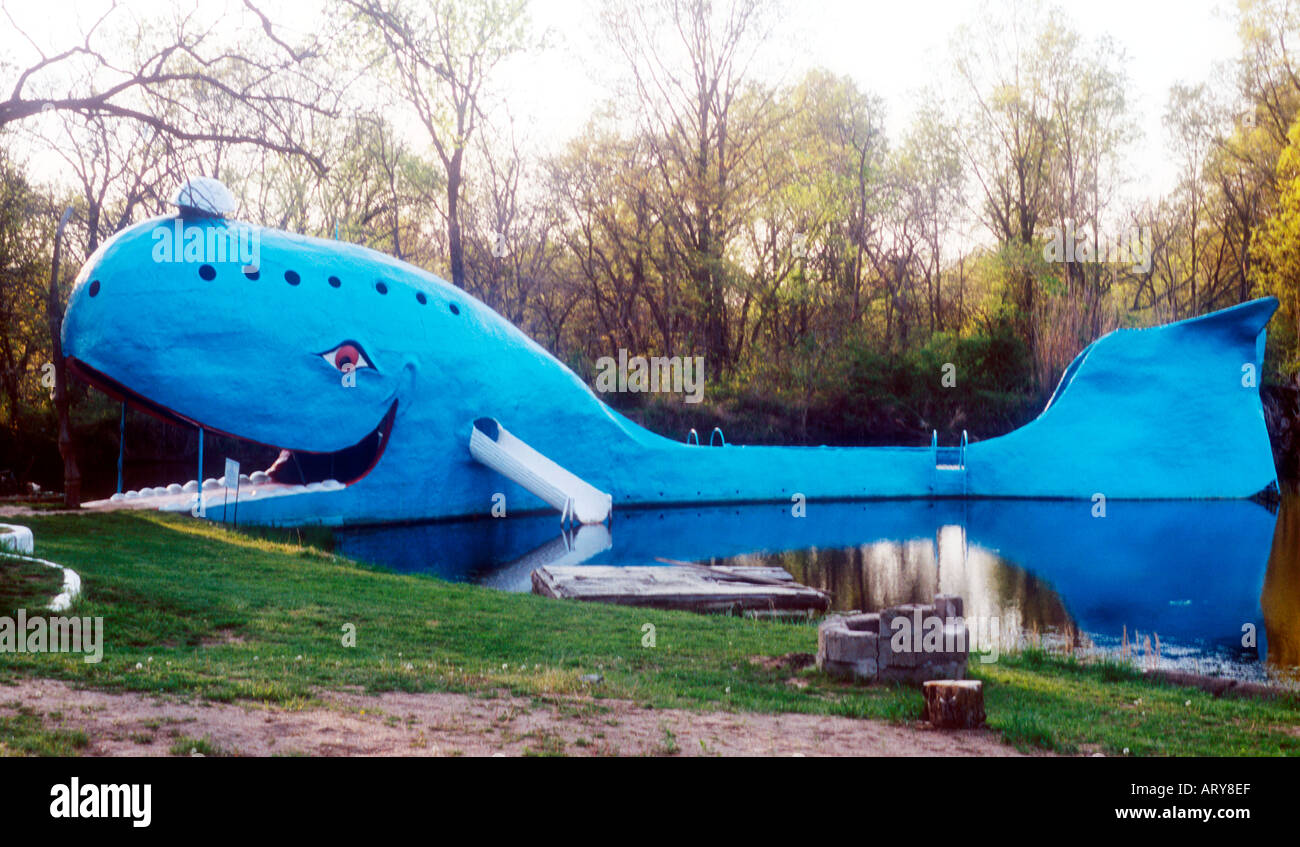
point(1206, 586)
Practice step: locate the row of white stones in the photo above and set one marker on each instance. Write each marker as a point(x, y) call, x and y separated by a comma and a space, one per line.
point(245, 480)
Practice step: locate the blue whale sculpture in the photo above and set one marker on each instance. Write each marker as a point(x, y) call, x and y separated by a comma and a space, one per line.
point(369, 374)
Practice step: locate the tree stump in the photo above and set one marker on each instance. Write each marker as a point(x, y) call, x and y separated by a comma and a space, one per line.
point(953, 703)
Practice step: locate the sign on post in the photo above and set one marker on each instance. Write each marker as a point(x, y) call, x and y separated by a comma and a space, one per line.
point(232, 481)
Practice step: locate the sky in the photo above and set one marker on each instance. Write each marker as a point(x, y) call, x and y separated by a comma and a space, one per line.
point(895, 50)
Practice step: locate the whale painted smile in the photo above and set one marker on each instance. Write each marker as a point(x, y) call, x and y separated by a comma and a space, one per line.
point(368, 375)
point(293, 466)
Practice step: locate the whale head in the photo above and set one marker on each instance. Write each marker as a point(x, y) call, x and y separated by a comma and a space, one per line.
point(311, 346)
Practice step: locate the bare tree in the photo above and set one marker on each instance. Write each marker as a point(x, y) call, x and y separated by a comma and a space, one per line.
point(441, 54)
point(183, 81)
point(689, 61)
point(512, 248)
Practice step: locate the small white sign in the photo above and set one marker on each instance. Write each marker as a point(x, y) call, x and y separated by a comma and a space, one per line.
point(232, 473)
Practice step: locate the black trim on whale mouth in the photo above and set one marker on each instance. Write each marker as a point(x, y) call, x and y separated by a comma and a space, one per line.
point(293, 467)
point(303, 467)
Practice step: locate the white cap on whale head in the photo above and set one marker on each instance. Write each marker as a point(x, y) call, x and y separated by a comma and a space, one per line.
point(205, 195)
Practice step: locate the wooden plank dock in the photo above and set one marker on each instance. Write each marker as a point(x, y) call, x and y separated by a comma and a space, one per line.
point(759, 591)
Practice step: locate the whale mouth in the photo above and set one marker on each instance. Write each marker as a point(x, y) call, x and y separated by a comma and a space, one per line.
point(320, 470)
point(304, 467)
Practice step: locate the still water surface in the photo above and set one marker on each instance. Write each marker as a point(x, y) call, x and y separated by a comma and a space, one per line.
point(1198, 578)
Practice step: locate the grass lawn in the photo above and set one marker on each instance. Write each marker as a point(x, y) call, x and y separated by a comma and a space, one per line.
point(26, 584)
point(193, 609)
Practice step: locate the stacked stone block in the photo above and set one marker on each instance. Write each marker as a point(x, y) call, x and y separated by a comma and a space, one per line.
point(892, 645)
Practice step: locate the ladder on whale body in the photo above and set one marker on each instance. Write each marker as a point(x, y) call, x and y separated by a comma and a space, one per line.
point(577, 500)
point(949, 478)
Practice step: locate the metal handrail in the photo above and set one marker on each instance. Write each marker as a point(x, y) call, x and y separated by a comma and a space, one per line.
point(722, 438)
point(693, 437)
point(965, 475)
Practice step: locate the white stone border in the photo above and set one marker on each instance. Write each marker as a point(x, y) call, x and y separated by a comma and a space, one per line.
point(16, 539)
point(16, 543)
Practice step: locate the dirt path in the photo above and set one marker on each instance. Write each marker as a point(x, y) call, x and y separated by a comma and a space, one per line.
point(17, 510)
point(398, 724)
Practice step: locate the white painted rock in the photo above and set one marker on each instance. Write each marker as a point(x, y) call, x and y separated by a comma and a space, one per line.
point(16, 539)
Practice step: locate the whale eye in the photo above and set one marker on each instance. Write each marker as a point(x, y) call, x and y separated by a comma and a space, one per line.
point(347, 353)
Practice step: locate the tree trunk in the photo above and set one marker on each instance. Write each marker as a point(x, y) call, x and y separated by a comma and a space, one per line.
point(455, 249)
point(953, 703)
point(54, 313)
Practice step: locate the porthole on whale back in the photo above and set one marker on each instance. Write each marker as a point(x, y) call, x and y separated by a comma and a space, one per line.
point(399, 441)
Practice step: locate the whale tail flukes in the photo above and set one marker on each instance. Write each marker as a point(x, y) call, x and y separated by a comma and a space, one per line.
point(1171, 411)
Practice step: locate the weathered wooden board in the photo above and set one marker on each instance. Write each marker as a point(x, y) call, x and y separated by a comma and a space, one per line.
point(758, 590)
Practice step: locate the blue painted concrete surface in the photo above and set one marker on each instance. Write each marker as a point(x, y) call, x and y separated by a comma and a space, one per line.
point(1161, 413)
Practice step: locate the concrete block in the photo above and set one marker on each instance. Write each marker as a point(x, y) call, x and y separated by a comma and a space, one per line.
point(908, 618)
point(831, 623)
point(954, 646)
point(863, 671)
point(863, 623)
point(861, 646)
point(847, 652)
point(906, 676)
point(948, 606)
point(844, 645)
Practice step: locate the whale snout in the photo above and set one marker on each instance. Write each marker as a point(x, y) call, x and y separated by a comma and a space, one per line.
point(273, 353)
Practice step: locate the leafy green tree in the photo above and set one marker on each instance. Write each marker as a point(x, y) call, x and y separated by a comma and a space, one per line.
point(1277, 250)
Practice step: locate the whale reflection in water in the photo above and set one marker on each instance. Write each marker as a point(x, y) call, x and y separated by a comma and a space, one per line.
point(1191, 572)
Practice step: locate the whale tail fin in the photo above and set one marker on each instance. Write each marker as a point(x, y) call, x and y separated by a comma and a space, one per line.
point(1170, 411)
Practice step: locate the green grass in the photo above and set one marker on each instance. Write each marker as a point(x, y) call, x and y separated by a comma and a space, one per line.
point(28, 585)
point(1056, 703)
point(186, 746)
point(193, 609)
point(25, 734)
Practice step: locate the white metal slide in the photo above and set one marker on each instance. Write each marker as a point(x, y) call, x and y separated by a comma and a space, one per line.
point(491, 444)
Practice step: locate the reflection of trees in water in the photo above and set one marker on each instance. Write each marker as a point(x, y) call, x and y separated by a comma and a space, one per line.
point(1280, 599)
point(1040, 607)
point(867, 577)
point(871, 577)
